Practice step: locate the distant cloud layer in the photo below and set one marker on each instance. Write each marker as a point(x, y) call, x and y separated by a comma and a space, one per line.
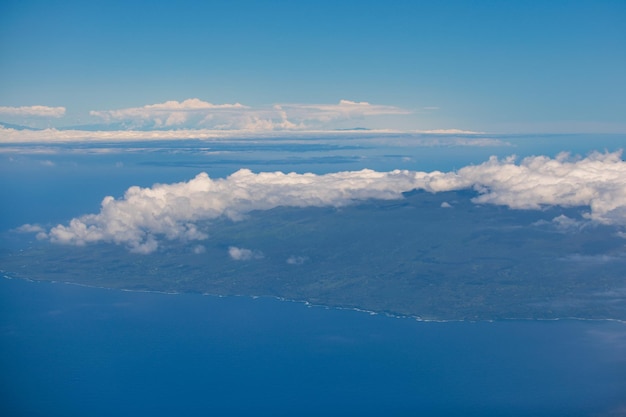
point(170, 113)
point(447, 136)
point(32, 111)
point(194, 118)
point(195, 113)
point(180, 211)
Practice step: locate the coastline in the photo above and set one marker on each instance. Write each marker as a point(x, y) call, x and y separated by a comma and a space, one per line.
point(7, 275)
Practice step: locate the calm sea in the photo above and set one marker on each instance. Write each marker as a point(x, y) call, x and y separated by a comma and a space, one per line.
point(70, 351)
point(77, 351)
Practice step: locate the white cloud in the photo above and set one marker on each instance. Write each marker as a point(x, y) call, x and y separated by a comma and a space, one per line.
point(344, 110)
point(562, 222)
point(200, 114)
point(445, 204)
point(597, 181)
point(199, 249)
point(194, 113)
point(181, 210)
point(30, 228)
point(593, 259)
point(297, 260)
point(32, 111)
point(242, 254)
point(451, 132)
point(256, 129)
point(197, 119)
point(170, 113)
point(175, 211)
point(8, 135)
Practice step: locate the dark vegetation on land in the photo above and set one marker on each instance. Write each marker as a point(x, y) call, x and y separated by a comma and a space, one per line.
point(409, 257)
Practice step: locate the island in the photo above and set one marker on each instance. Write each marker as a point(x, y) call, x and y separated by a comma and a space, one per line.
point(428, 256)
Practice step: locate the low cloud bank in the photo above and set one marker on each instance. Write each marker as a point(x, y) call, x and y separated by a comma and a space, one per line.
point(180, 211)
point(32, 111)
point(389, 137)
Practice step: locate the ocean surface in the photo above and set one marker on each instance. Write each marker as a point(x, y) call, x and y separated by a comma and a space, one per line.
point(77, 351)
point(68, 351)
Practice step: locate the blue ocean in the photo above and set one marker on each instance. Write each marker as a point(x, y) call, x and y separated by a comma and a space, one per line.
point(68, 350)
point(76, 351)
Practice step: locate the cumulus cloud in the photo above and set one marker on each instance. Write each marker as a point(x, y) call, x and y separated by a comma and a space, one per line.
point(176, 211)
point(201, 114)
point(180, 211)
point(170, 113)
point(597, 181)
point(32, 111)
point(242, 254)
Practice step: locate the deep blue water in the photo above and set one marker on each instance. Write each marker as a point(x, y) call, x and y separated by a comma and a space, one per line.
point(76, 351)
point(73, 351)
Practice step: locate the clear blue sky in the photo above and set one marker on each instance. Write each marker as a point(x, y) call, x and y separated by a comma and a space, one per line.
point(479, 65)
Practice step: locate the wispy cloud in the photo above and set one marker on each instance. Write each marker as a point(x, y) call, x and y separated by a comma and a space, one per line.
point(345, 109)
point(297, 260)
point(32, 111)
point(180, 211)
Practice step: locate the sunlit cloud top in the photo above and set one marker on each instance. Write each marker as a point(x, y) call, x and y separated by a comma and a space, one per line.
point(180, 211)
